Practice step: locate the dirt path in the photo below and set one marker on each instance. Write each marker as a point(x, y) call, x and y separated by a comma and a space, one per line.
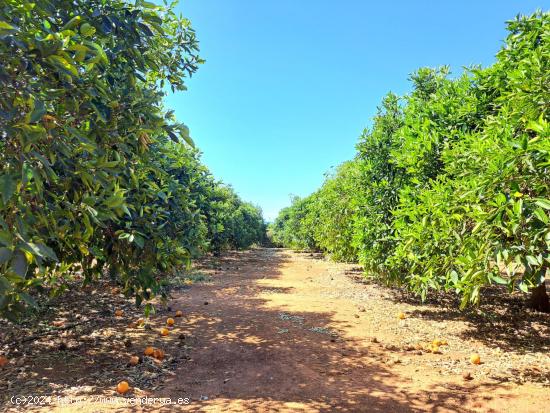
point(286, 332)
point(275, 331)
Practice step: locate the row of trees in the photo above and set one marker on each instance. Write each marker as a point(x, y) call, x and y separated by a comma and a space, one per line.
point(95, 174)
point(449, 189)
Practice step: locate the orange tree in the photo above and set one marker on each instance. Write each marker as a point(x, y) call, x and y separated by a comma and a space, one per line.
point(295, 225)
point(483, 216)
point(451, 188)
point(96, 177)
point(82, 87)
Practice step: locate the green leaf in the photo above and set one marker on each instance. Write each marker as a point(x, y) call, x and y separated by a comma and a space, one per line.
point(6, 28)
point(454, 277)
point(184, 131)
point(75, 21)
point(139, 241)
point(28, 299)
point(87, 30)
point(146, 29)
point(4, 284)
point(114, 201)
point(6, 238)
point(81, 52)
point(147, 4)
point(62, 63)
point(19, 264)
point(102, 111)
point(541, 215)
point(499, 280)
point(543, 203)
point(46, 251)
point(5, 255)
point(38, 111)
point(532, 260)
point(536, 126)
point(7, 186)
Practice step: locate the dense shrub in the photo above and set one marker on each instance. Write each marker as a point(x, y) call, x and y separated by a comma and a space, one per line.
point(93, 169)
point(378, 193)
point(452, 183)
point(232, 223)
point(335, 207)
point(294, 227)
point(487, 209)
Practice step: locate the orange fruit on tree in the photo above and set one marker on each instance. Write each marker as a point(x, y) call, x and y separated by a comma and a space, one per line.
point(122, 387)
point(3, 361)
point(134, 360)
point(158, 354)
point(149, 351)
point(164, 331)
point(119, 313)
point(475, 359)
point(170, 321)
point(179, 313)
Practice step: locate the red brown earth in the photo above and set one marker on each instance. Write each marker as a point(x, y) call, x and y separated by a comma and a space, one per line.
point(271, 330)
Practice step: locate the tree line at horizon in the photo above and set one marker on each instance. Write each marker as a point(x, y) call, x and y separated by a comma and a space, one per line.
point(449, 188)
point(97, 178)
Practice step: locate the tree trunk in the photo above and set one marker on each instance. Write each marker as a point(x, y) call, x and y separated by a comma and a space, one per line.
point(539, 299)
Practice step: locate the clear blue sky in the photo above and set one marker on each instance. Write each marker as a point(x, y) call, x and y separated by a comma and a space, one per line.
point(288, 85)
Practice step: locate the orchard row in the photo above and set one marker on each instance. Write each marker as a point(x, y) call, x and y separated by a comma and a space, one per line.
point(97, 178)
point(449, 189)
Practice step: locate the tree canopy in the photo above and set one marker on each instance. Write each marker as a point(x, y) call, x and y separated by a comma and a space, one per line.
point(97, 177)
point(449, 189)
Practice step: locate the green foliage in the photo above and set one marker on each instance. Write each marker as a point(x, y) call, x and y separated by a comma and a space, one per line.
point(324, 220)
point(378, 193)
point(93, 171)
point(480, 220)
point(451, 188)
point(336, 207)
point(294, 227)
point(233, 224)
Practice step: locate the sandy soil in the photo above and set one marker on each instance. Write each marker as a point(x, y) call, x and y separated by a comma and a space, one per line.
point(277, 331)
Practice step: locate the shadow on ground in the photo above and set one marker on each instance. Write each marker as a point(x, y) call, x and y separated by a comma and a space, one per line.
point(501, 320)
point(248, 357)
